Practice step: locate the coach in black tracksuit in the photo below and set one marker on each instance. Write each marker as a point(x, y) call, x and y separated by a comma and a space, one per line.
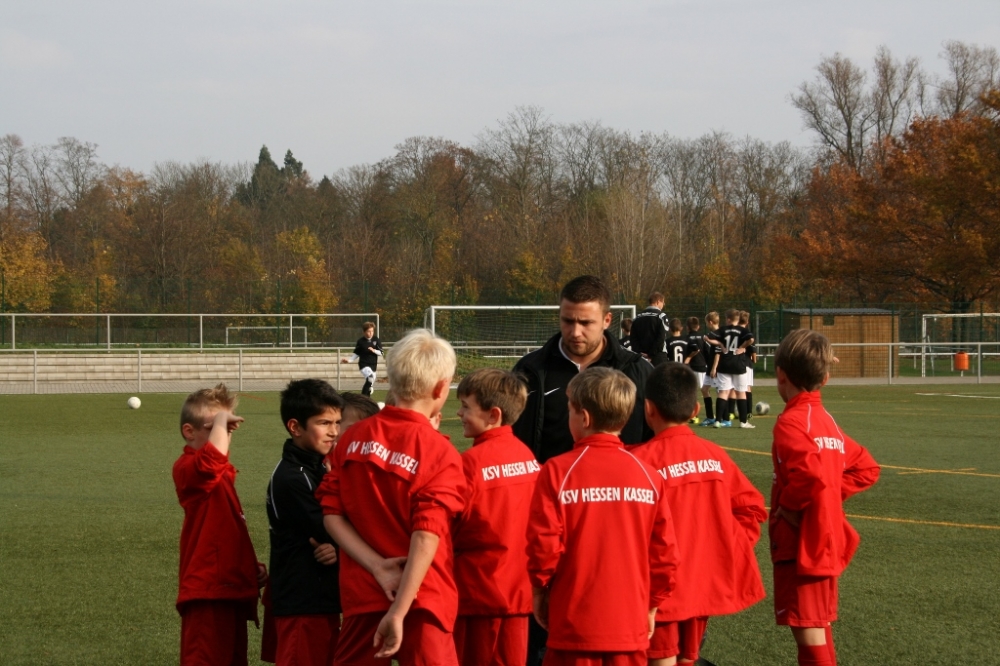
point(649, 331)
point(299, 584)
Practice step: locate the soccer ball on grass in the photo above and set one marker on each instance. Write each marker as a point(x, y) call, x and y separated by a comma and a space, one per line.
point(761, 408)
point(134, 403)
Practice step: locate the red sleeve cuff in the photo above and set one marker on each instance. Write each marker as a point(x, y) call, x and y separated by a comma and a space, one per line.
point(434, 520)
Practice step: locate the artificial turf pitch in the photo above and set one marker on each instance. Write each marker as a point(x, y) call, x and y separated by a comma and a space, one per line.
point(89, 527)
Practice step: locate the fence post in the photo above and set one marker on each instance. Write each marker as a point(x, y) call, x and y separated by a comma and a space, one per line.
point(890, 348)
point(109, 332)
point(338, 368)
point(201, 332)
point(139, 373)
point(291, 333)
point(34, 371)
point(241, 369)
point(13, 329)
point(979, 365)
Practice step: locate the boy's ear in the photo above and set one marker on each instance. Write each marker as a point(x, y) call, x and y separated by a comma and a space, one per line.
point(496, 415)
point(187, 431)
point(294, 427)
point(649, 410)
point(826, 378)
point(441, 389)
point(587, 420)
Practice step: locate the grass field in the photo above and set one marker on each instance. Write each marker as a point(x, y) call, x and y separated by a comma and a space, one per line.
point(90, 523)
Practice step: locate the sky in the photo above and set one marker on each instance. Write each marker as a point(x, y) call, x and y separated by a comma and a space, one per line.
point(343, 83)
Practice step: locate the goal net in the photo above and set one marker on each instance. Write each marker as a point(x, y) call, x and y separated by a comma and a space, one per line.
point(498, 335)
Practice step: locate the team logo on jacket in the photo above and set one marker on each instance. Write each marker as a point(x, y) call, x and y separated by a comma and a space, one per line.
point(491, 472)
point(375, 452)
point(829, 443)
point(680, 469)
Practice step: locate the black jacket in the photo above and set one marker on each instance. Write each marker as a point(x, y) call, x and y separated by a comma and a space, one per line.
point(649, 334)
point(367, 359)
point(544, 423)
point(299, 584)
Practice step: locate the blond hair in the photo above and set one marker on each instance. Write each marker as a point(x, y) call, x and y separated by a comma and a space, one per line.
point(418, 362)
point(712, 318)
point(492, 387)
point(805, 357)
point(744, 318)
point(200, 402)
point(606, 394)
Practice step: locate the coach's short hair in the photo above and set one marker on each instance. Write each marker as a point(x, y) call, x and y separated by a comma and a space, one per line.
point(805, 357)
point(655, 297)
point(694, 323)
point(673, 390)
point(492, 387)
point(303, 399)
point(585, 289)
point(606, 394)
point(200, 402)
point(418, 362)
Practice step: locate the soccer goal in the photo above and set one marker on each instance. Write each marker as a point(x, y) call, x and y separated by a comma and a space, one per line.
point(945, 334)
point(267, 336)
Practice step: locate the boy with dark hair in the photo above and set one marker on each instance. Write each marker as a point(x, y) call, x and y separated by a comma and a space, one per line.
point(356, 407)
point(494, 594)
point(305, 594)
point(816, 468)
point(626, 339)
point(710, 349)
point(219, 572)
point(717, 514)
point(395, 487)
point(649, 331)
point(367, 351)
point(730, 370)
point(601, 548)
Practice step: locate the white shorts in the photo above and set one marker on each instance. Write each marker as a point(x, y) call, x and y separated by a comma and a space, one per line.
point(707, 380)
point(701, 378)
point(749, 377)
point(726, 382)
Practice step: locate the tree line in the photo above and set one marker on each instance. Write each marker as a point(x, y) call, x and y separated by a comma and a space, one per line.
point(896, 202)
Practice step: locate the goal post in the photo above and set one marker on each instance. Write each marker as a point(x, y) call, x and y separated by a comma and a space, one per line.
point(950, 331)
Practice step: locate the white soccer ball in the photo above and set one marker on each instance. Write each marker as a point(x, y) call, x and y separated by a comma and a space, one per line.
point(134, 402)
point(761, 408)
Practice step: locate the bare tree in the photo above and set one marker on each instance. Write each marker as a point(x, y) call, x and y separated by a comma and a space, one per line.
point(972, 72)
point(13, 158)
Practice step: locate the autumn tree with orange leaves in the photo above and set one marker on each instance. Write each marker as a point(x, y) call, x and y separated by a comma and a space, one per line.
point(922, 224)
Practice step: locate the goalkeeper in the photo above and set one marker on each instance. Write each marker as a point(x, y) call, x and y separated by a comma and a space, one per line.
point(366, 352)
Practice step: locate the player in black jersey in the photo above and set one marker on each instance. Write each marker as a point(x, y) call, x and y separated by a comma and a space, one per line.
point(696, 355)
point(626, 340)
point(677, 344)
point(709, 350)
point(649, 331)
point(729, 369)
point(751, 360)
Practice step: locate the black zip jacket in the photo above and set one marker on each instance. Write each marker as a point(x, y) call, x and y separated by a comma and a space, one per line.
point(649, 334)
point(367, 359)
point(544, 423)
point(299, 584)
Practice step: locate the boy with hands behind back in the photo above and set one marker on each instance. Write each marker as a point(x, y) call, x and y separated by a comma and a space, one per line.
point(601, 549)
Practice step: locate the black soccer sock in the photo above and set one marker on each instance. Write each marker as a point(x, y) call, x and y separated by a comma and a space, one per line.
point(709, 408)
point(731, 408)
point(722, 409)
point(750, 400)
point(741, 406)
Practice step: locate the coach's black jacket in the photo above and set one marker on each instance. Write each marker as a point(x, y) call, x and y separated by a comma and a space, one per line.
point(299, 584)
point(544, 424)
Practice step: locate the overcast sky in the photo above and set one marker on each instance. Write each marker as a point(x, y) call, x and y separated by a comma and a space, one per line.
point(341, 83)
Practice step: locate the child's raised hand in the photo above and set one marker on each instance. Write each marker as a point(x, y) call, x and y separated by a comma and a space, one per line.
point(324, 553)
point(388, 573)
point(261, 574)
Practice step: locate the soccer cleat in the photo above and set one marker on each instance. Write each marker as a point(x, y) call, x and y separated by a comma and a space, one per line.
point(708, 423)
point(747, 425)
point(723, 424)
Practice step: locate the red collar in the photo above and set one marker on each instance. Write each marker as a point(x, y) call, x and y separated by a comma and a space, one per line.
point(812, 397)
point(493, 433)
point(681, 430)
point(599, 439)
point(404, 414)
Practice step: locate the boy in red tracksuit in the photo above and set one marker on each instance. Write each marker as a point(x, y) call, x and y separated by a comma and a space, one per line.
point(601, 549)
point(494, 594)
point(717, 514)
point(395, 487)
point(219, 571)
point(816, 468)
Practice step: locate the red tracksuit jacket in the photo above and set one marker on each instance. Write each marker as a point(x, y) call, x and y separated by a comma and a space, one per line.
point(217, 557)
point(717, 514)
point(816, 468)
point(491, 565)
point(600, 534)
point(394, 474)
